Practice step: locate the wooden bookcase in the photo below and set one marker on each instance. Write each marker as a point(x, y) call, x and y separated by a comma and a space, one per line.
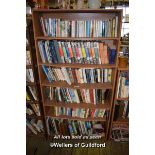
point(31, 47)
point(38, 35)
point(119, 121)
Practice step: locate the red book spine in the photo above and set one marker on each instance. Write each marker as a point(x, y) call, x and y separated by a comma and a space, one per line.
point(91, 96)
point(61, 52)
point(77, 52)
point(92, 112)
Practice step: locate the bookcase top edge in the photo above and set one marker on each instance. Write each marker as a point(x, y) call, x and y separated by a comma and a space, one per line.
point(79, 11)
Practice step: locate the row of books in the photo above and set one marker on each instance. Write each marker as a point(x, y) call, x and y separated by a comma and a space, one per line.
point(121, 110)
point(34, 126)
point(78, 112)
point(84, 52)
point(68, 95)
point(81, 75)
point(120, 132)
point(28, 58)
point(74, 127)
point(33, 109)
point(29, 75)
point(31, 93)
point(123, 85)
point(79, 28)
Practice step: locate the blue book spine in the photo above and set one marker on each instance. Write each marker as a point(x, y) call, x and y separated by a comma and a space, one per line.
point(67, 51)
point(87, 28)
point(87, 52)
point(53, 52)
point(71, 94)
point(79, 112)
point(43, 49)
point(112, 56)
point(53, 28)
point(126, 82)
point(69, 112)
point(42, 54)
point(87, 125)
point(96, 54)
point(70, 129)
point(46, 73)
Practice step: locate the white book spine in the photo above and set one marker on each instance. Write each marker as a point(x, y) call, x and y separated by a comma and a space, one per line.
point(63, 69)
point(105, 75)
point(31, 75)
point(31, 127)
point(76, 95)
point(84, 75)
point(94, 96)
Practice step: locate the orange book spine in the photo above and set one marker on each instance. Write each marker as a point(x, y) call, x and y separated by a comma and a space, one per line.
point(105, 49)
point(101, 52)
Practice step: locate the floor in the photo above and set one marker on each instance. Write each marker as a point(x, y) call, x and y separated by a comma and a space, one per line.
point(41, 146)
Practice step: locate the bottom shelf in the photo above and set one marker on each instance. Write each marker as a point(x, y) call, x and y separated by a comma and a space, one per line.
point(120, 132)
point(75, 129)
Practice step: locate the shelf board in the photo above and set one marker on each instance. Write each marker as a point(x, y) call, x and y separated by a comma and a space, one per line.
point(29, 16)
point(121, 121)
point(32, 102)
point(122, 99)
point(29, 66)
point(76, 38)
point(76, 86)
point(76, 65)
point(124, 45)
point(123, 68)
point(33, 116)
point(30, 83)
point(77, 105)
point(76, 118)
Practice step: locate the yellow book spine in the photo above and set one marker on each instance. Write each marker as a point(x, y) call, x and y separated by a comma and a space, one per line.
point(27, 97)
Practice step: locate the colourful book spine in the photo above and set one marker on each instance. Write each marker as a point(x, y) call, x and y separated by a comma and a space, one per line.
point(74, 51)
point(56, 45)
point(105, 54)
point(61, 52)
point(92, 51)
point(83, 51)
point(96, 52)
point(46, 73)
point(67, 52)
point(43, 26)
point(88, 28)
point(70, 50)
point(87, 51)
point(64, 51)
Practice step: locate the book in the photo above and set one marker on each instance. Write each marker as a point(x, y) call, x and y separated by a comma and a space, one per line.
point(123, 85)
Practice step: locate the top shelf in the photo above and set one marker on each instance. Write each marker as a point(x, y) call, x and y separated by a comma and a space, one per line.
point(74, 38)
